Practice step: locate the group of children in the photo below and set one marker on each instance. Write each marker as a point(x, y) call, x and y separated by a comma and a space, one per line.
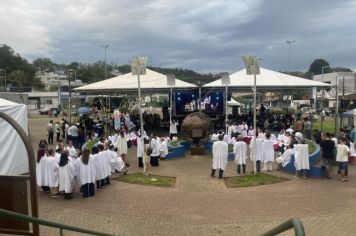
point(58, 170)
point(267, 144)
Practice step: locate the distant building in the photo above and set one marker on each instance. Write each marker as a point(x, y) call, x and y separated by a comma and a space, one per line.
point(346, 84)
point(58, 78)
point(346, 81)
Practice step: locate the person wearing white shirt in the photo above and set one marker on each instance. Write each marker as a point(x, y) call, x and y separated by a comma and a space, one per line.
point(154, 144)
point(72, 152)
point(220, 154)
point(121, 145)
point(163, 148)
point(85, 171)
point(51, 172)
point(240, 152)
point(173, 128)
point(258, 157)
point(66, 174)
point(268, 152)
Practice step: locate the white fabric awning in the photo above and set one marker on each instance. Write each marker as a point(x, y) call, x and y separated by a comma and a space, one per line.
point(128, 82)
point(267, 79)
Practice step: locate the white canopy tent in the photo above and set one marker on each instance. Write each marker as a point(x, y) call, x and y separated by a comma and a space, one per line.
point(13, 155)
point(152, 80)
point(233, 102)
point(267, 79)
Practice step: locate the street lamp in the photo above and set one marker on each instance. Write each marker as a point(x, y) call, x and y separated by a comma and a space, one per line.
point(252, 68)
point(138, 67)
point(105, 47)
point(322, 98)
point(289, 47)
point(225, 80)
point(171, 81)
point(70, 93)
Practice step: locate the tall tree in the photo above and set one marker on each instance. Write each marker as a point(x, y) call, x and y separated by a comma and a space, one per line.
point(44, 64)
point(317, 65)
point(11, 61)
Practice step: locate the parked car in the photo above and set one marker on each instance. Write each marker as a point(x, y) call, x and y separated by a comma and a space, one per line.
point(50, 110)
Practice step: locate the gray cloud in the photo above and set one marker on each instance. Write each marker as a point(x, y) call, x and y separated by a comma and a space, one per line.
point(200, 35)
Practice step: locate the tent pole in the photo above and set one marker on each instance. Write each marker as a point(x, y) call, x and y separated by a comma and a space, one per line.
point(254, 121)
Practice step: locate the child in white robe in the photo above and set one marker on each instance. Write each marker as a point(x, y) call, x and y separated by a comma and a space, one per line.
point(268, 153)
point(66, 174)
point(85, 171)
point(164, 148)
point(258, 155)
point(240, 152)
point(51, 172)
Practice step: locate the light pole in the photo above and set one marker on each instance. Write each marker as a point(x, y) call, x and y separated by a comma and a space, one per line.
point(289, 47)
point(138, 67)
point(225, 80)
point(322, 98)
point(105, 48)
point(252, 67)
point(171, 81)
point(70, 94)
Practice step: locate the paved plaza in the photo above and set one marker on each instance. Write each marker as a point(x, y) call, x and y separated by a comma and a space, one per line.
point(201, 205)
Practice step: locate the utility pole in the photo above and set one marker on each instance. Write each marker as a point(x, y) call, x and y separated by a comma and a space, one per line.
point(289, 48)
point(105, 48)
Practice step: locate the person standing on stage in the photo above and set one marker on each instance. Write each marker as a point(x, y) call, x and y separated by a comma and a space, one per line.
point(173, 128)
point(220, 153)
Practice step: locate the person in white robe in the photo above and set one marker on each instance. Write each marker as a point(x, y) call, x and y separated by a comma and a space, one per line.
point(163, 149)
point(230, 132)
point(256, 158)
point(66, 174)
point(226, 139)
point(301, 156)
point(154, 144)
point(72, 152)
point(121, 145)
point(106, 160)
point(214, 137)
point(85, 171)
point(116, 162)
point(268, 153)
point(240, 152)
point(41, 169)
point(98, 167)
point(173, 131)
point(285, 158)
point(101, 161)
point(220, 154)
point(51, 172)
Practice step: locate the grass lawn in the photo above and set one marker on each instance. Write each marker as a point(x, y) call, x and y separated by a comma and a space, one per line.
point(149, 180)
point(312, 146)
point(252, 180)
point(328, 125)
point(175, 143)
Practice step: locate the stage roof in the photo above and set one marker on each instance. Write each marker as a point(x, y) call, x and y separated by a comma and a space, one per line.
point(128, 83)
point(267, 79)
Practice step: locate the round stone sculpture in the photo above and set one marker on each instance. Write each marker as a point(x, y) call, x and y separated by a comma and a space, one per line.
point(196, 126)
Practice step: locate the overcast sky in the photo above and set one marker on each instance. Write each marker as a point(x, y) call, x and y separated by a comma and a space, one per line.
point(203, 35)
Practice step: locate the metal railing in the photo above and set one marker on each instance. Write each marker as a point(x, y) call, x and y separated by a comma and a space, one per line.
point(61, 227)
point(291, 223)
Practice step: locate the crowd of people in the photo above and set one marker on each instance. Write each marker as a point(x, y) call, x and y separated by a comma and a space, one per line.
point(70, 163)
point(267, 144)
point(270, 148)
